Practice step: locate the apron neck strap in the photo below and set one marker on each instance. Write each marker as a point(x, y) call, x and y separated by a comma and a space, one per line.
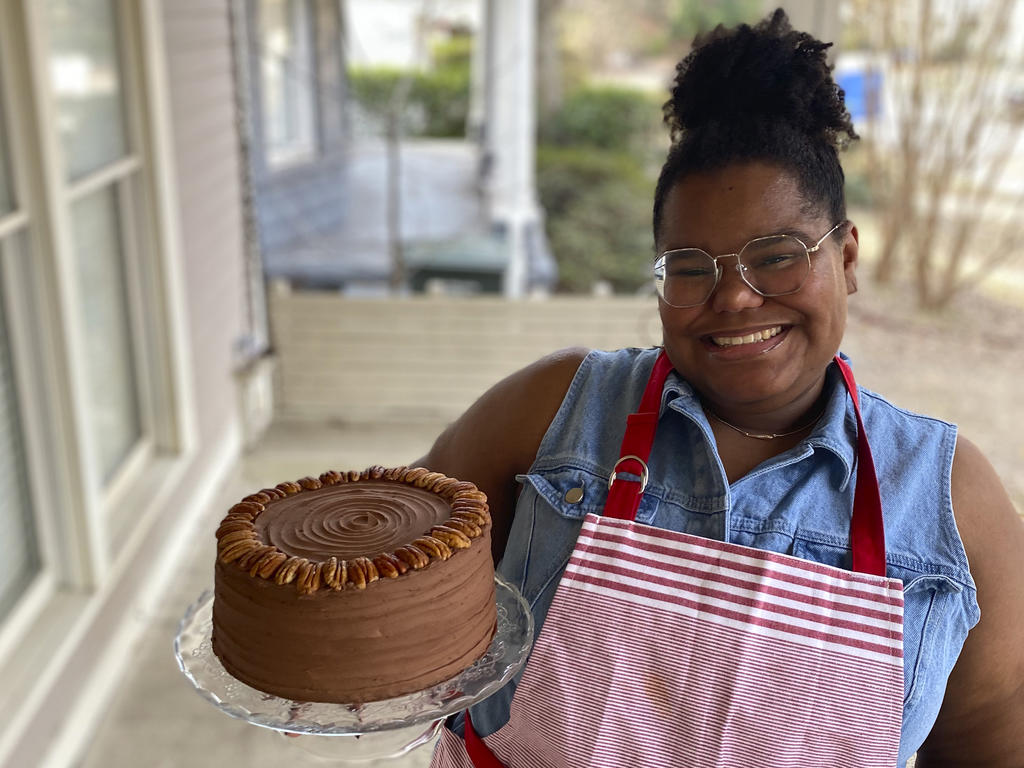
point(867, 532)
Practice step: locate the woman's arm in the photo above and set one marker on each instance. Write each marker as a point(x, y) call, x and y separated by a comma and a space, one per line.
point(498, 436)
point(981, 723)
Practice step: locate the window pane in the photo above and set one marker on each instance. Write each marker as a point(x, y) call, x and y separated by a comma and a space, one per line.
point(287, 80)
point(19, 550)
point(86, 77)
point(103, 298)
point(6, 184)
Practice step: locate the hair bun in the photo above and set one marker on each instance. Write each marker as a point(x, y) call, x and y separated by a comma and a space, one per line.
point(753, 74)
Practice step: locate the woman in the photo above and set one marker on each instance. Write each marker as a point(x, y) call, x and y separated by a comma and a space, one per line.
point(734, 597)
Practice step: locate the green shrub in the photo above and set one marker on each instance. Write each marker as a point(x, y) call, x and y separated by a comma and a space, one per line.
point(598, 213)
point(436, 103)
point(607, 117)
point(453, 54)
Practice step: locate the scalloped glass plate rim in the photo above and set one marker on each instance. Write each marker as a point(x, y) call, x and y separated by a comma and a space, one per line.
point(503, 659)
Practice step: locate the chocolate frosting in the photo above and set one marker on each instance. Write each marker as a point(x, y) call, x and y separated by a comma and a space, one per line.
point(352, 520)
point(350, 645)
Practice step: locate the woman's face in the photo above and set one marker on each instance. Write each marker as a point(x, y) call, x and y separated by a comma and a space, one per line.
point(719, 212)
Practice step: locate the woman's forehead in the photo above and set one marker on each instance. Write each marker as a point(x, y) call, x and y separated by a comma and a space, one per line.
point(726, 207)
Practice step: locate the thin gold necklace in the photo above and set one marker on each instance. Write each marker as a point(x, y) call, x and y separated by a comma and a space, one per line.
point(761, 435)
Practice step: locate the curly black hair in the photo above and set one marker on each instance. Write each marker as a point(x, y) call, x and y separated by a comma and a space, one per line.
point(763, 93)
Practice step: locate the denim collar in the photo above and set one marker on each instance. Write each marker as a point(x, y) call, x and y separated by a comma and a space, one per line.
point(835, 432)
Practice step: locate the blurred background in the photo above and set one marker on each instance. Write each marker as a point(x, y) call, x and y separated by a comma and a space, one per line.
point(243, 241)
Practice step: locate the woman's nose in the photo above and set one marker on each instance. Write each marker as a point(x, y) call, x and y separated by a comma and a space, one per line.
point(732, 294)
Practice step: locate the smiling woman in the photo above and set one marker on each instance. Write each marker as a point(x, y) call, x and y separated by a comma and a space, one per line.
point(729, 520)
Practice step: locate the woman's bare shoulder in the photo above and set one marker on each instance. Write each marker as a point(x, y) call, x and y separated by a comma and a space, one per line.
point(982, 717)
point(508, 421)
point(498, 436)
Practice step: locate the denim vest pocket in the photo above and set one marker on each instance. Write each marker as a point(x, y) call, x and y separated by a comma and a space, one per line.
point(548, 519)
point(820, 548)
point(925, 606)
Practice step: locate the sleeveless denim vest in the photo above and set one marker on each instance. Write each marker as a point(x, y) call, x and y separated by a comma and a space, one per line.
point(797, 503)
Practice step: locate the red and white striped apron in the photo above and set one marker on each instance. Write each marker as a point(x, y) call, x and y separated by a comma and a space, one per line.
point(667, 649)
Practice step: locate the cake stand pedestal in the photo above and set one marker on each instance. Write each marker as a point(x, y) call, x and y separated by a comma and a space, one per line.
point(357, 732)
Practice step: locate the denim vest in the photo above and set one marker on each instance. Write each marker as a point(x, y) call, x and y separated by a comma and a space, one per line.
point(798, 503)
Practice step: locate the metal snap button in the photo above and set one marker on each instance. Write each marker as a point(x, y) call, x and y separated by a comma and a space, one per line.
point(574, 495)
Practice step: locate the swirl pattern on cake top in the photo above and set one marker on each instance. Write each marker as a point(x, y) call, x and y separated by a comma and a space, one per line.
point(372, 516)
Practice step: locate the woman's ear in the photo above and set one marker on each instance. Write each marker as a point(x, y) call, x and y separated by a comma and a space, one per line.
point(851, 246)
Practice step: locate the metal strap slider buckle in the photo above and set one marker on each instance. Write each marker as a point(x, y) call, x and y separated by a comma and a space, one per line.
point(643, 471)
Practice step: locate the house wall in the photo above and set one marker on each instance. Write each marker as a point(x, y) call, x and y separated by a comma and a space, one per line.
point(206, 149)
point(190, 85)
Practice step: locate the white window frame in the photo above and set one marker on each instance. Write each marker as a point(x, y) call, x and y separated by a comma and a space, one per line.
point(87, 530)
point(279, 159)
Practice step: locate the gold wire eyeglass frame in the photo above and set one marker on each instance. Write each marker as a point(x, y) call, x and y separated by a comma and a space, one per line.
point(659, 266)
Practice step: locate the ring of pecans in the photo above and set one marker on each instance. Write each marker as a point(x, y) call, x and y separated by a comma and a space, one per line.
point(239, 543)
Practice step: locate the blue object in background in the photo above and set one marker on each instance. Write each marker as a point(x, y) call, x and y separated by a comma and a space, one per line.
point(863, 90)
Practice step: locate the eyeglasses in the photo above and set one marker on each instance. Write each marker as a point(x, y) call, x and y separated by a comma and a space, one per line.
point(772, 266)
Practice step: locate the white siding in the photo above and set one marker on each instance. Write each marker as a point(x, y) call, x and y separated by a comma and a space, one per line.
point(362, 361)
point(200, 68)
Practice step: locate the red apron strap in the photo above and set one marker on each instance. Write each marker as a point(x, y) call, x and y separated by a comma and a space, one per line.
point(624, 494)
point(867, 529)
point(479, 753)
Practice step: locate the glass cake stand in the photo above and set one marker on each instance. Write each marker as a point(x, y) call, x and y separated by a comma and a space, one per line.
point(354, 732)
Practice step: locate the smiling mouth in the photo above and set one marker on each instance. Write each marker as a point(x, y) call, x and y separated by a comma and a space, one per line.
point(750, 338)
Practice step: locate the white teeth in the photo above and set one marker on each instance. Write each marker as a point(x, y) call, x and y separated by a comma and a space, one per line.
point(750, 338)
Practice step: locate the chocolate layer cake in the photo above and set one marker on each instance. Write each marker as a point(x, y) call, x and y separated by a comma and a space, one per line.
point(354, 587)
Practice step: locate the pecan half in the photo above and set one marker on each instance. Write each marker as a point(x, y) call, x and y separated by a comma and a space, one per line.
point(368, 568)
point(388, 565)
point(330, 477)
point(289, 488)
point(467, 527)
point(247, 561)
point(308, 578)
point(433, 547)
point(477, 518)
point(412, 557)
point(466, 494)
point(428, 480)
point(233, 551)
point(233, 525)
point(246, 534)
point(356, 576)
point(288, 570)
point(269, 563)
point(453, 538)
point(445, 486)
point(329, 572)
point(250, 508)
point(309, 483)
point(414, 473)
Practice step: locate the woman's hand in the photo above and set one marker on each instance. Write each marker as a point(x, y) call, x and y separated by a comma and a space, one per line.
point(498, 436)
point(981, 723)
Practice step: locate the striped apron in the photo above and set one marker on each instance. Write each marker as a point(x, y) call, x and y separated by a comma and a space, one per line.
point(667, 649)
